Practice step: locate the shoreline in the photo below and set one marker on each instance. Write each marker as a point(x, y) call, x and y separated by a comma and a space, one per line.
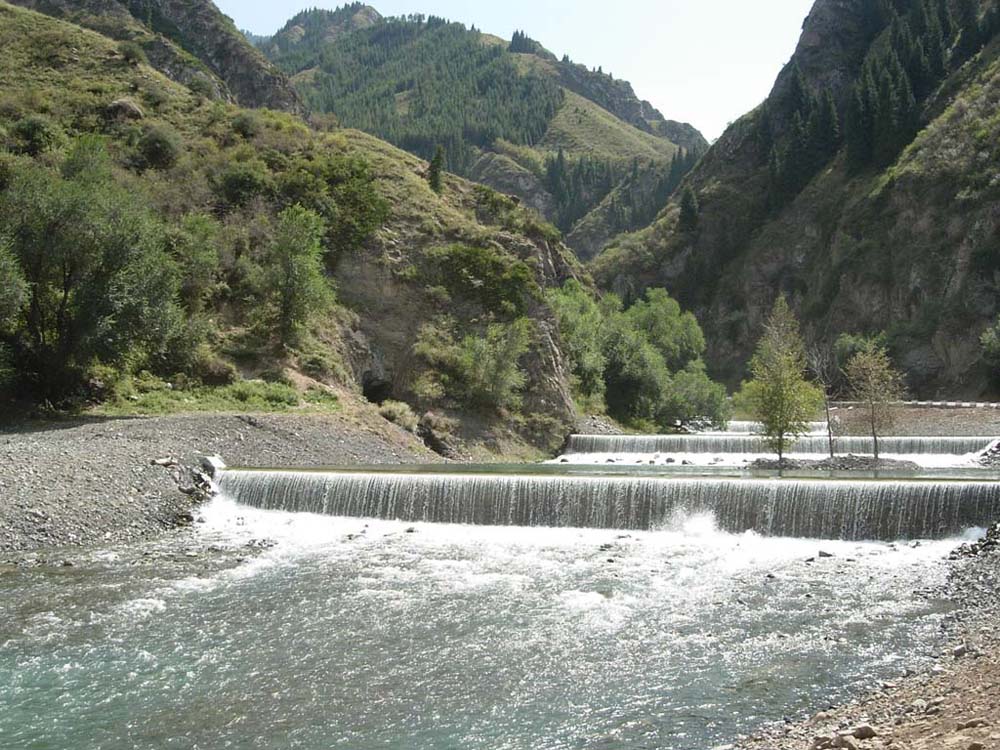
point(953, 705)
point(108, 481)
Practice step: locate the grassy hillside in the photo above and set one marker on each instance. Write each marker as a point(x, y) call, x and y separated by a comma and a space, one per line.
point(567, 135)
point(191, 42)
point(891, 227)
point(190, 213)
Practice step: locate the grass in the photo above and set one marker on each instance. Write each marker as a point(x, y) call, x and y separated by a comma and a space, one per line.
point(248, 395)
point(581, 128)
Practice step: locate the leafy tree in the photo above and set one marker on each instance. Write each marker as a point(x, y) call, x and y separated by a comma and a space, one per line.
point(580, 327)
point(689, 210)
point(194, 244)
point(876, 384)
point(991, 346)
point(101, 287)
point(436, 168)
point(489, 365)
point(779, 396)
point(675, 334)
point(13, 288)
point(646, 360)
point(823, 364)
point(294, 283)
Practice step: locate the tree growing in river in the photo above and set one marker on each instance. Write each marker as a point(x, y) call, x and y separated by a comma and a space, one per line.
point(823, 364)
point(779, 396)
point(876, 384)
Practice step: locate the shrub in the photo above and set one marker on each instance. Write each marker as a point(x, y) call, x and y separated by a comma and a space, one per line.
point(160, 147)
point(247, 125)
point(991, 344)
point(133, 53)
point(243, 181)
point(489, 366)
point(35, 134)
point(492, 278)
point(201, 86)
point(401, 414)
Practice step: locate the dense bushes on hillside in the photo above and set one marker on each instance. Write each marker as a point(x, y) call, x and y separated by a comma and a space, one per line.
point(644, 363)
point(128, 250)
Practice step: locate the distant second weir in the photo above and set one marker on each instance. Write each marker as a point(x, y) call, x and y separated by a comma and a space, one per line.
point(755, 444)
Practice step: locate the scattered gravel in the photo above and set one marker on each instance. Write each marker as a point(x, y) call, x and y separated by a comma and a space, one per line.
point(955, 706)
point(839, 463)
point(84, 482)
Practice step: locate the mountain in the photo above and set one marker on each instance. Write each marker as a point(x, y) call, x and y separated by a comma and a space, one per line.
point(558, 136)
point(184, 215)
point(192, 43)
point(865, 188)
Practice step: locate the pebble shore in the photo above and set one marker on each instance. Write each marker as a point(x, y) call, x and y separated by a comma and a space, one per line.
point(113, 481)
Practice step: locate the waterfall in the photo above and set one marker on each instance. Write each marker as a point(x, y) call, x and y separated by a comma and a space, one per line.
point(752, 444)
point(824, 509)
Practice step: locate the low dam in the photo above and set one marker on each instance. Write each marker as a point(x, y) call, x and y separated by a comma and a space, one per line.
point(750, 444)
point(848, 509)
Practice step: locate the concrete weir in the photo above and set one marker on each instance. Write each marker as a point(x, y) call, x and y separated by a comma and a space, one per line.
point(850, 509)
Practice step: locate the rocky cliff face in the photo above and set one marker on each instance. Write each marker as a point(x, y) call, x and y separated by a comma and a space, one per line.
point(187, 40)
point(912, 250)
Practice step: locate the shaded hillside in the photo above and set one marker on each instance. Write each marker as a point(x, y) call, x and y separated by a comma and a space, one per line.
point(558, 136)
point(191, 42)
point(190, 212)
point(865, 188)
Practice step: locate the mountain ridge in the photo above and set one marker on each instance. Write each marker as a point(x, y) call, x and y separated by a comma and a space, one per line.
point(900, 241)
point(561, 138)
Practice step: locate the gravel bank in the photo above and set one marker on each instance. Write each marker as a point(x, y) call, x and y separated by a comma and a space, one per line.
point(956, 706)
point(79, 483)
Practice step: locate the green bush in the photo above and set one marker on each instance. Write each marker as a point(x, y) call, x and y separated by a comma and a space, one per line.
point(401, 414)
point(133, 53)
point(500, 283)
point(244, 181)
point(247, 125)
point(160, 147)
point(36, 134)
point(991, 345)
point(489, 365)
point(645, 361)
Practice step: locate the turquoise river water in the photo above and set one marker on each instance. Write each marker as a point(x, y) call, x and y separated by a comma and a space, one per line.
point(367, 634)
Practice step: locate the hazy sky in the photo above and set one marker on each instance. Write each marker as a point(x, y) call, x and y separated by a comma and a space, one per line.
point(701, 61)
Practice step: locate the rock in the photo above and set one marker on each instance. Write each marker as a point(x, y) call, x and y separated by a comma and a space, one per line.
point(919, 706)
point(846, 742)
point(825, 555)
point(973, 724)
point(959, 651)
point(822, 742)
point(864, 732)
point(976, 746)
point(125, 109)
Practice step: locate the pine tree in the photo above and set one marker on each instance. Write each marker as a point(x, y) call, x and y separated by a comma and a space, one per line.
point(970, 35)
point(437, 167)
point(690, 210)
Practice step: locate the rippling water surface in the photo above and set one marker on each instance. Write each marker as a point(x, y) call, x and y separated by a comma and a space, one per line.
point(365, 635)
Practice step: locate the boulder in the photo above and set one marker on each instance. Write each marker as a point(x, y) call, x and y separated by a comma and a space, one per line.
point(125, 109)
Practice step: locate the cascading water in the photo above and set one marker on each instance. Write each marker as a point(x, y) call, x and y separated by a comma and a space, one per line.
point(851, 510)
point(752, 444)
